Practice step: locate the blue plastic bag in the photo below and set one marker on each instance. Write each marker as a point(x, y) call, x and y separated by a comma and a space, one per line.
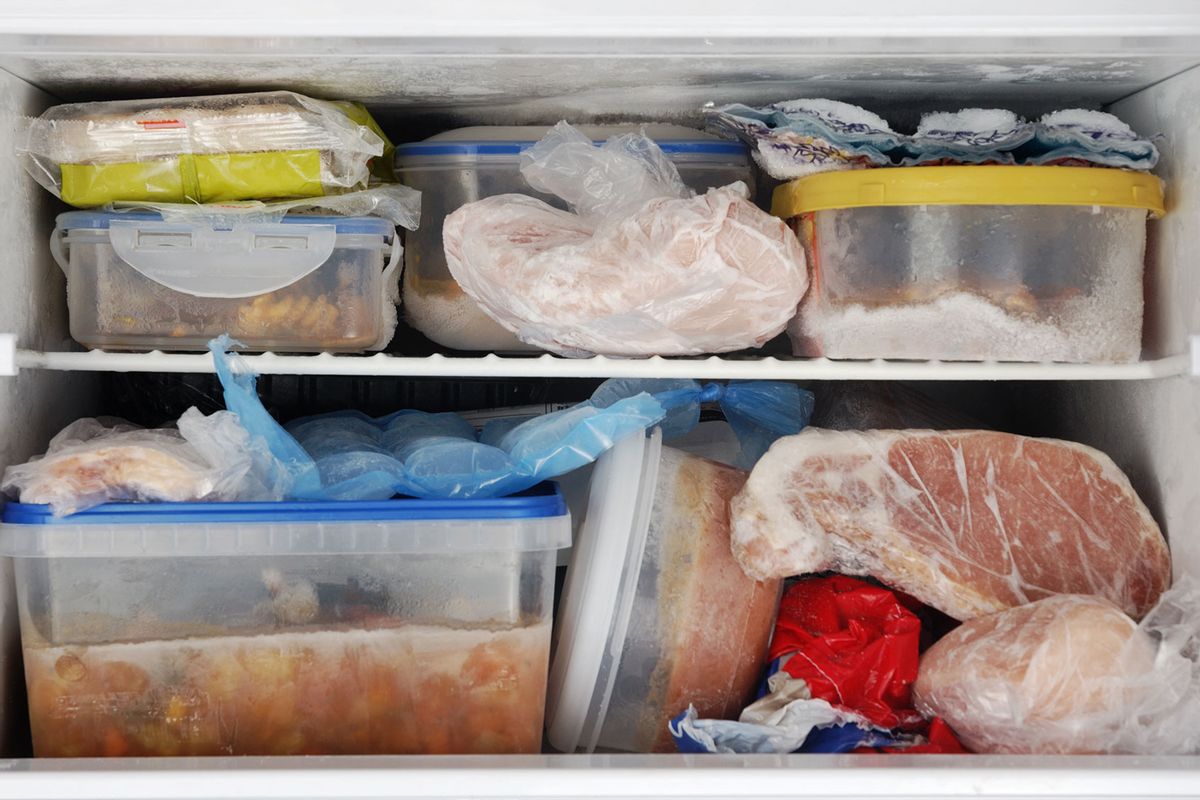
point(347, 455)
point(758, 411)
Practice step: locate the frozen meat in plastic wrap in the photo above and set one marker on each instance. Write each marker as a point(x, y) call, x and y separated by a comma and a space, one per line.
point(1071, 674)
point(203, 149)
point(642, 268)
point(969, 522)
point(94, 461)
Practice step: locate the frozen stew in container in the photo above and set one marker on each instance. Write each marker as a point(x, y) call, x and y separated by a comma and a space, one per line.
point(357, 627)
point(979, 262)
point(655, 613)
point(468, 164)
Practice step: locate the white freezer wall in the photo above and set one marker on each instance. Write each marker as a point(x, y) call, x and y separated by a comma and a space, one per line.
point(34, 405)
point(1152, 428)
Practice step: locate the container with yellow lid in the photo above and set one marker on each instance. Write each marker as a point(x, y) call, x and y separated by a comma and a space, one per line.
point(971, 263)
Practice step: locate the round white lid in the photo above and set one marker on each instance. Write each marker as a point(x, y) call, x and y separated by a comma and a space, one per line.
point(594, 611)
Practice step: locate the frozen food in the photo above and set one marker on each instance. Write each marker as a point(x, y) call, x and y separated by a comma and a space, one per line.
point(714, 621)
point(642, 268)
point(802, 137)
point(94, 461)
point(969, 522)
point(202, 149)
point(1056, 676)
point(349, 690)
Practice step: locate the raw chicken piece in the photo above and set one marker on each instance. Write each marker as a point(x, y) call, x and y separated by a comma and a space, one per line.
point(1057, 676)
point(969, 522)
point(119, 472)
point(681, 276)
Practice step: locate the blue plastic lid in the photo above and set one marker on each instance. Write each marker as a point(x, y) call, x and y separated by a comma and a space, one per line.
point(513, 148)
point(543, 500)
point(99, 220)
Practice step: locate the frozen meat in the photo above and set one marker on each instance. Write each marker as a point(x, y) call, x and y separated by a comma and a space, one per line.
point(969, 522)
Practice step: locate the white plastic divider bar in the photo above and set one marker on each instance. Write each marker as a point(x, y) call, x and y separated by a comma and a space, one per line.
point(628, 777)
point(547, 366)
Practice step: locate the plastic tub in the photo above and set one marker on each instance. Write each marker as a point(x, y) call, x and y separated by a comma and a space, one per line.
point(655, 613)
point(403, 626)
point(1012, 263)
point(468, 164)
point(306, 284)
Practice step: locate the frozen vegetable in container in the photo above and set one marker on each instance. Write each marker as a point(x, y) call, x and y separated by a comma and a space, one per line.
point(304, 284)
point(1012, 263)
point(655, 613)
point(400, 626)
point(468, 164)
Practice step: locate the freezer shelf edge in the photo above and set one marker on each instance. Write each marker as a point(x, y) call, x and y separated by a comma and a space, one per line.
point(841, 777)
point(547, 366)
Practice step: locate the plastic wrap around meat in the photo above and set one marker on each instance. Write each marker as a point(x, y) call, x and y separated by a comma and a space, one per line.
point(969, 522)
point(642, 267)
point(95, 461)
point(1070, 674)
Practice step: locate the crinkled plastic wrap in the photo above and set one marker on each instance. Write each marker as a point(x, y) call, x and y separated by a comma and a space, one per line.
point(201, 149)
point(969, 522)
point(94, 461)
point(642, 268)
point(394, 202)
point(802, 137)
point(1071, 674)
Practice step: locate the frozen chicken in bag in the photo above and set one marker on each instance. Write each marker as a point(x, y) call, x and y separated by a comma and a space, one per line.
point(642, 267)
point(1071, 674)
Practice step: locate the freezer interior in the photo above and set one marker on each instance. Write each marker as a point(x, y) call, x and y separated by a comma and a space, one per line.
point(1150, 426)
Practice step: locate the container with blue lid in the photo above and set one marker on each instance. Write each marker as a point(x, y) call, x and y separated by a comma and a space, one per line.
point(302, 284)
point(468, 164)
point(390, 627)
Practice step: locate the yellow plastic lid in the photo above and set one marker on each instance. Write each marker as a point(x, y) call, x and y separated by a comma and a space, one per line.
point(971, 186)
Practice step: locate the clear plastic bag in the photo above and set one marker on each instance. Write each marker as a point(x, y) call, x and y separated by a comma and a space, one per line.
point(201, 149)
point(1072, 674)
point(94, 461)
point(643, 267)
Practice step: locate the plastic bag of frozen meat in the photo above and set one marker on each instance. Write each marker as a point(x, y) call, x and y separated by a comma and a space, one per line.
point(641, 266)
point(1071, 674)
point(94, 461)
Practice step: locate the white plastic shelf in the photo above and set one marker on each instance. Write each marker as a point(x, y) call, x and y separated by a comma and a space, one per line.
point(546, 366)
point(847, 777)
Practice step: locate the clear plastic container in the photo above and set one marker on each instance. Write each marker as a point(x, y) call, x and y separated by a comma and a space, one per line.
point(403, 626)
point(973, 263)
point(655, 613)
point(468, 164)
point(306, 284)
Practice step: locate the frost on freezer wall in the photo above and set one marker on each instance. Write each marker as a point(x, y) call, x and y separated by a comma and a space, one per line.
point(1152, 428)
point(35, 404)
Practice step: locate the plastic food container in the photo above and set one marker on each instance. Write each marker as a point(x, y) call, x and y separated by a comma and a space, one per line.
point(655, 613)
point(403, 626)
point(468, 164)
point(306, 284)
point(1012, 263)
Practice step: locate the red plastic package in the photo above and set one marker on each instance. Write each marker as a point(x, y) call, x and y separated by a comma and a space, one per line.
point(855, 645)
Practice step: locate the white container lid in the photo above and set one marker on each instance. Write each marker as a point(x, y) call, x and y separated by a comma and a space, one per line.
point(599, 592)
